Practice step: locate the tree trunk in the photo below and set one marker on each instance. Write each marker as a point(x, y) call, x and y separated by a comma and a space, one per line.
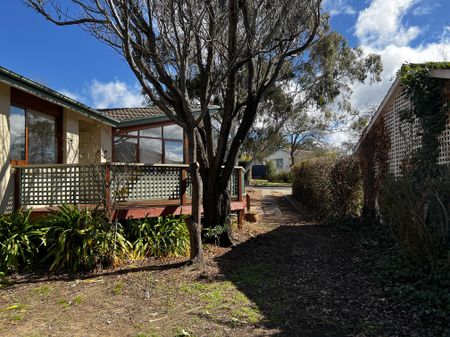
point(194, 223)
point(217, 208)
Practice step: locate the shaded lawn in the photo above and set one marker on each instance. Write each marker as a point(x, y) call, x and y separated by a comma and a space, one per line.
point(298, 280)
point(266, 183)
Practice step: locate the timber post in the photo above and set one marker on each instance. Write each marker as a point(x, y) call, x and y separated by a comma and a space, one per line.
point(183, 186)
point(241, 213)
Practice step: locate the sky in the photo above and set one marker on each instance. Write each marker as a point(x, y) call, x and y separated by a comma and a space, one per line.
point(73, 62)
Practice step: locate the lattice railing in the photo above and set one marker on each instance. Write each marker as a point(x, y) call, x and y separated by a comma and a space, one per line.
point(144, 182)
point(52, 185)
point(61, 184)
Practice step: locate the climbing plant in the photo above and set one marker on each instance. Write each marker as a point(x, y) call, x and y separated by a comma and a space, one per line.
point(429, 108)
point(373, 157)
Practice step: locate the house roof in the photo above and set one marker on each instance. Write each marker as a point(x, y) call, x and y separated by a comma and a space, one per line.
point(442, 72)
point(119, 117)
point(127, 114)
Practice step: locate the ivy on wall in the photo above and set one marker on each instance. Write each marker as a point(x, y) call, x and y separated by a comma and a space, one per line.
point(373, 158)
point(429, 108)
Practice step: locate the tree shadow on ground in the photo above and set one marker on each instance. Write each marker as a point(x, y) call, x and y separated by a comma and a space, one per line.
point(306, 280)
point(44, 276)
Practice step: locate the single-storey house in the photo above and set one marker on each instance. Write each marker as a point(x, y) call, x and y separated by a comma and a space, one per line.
point(56, 150)
point(281, 160)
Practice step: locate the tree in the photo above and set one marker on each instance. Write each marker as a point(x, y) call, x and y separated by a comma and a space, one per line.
point(302, 128)
point(265, 136)
point(235, 49)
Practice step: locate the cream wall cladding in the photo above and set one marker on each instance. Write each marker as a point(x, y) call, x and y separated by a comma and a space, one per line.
point(106, 143)
point(71, 137)
point(6, 182)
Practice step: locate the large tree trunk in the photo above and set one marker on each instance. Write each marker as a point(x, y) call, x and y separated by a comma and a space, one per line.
point(217, 207)
point(194, 223)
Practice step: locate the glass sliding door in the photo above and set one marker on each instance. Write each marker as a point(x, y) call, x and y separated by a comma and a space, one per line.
point(33, 137)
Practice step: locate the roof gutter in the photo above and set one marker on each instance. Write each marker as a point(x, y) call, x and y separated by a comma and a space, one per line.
point(20, 82)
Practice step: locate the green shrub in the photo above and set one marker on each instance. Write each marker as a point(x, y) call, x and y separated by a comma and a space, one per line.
point(160, 237)
point(311, 185)
point(282, 177)
point(80, 240)
point(270, 170)
point(330, 187)
point(346, 188)
point(19, 240)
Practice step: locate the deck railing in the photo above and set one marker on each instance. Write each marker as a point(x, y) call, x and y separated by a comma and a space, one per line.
point(158, 184)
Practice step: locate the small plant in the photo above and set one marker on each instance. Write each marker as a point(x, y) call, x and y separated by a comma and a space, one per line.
point(77, 300)
point(3, 280)
point(118, 287)
point(42, 291)
point(160, 237)
point(214, 233)
point(80, 240)
point(64, 303)
point(19, 240)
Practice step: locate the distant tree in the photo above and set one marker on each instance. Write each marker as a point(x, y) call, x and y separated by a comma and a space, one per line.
point(265, 136)
point(303, 129)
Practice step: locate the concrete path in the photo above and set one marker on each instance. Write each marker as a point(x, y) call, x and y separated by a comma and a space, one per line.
point(276, 205)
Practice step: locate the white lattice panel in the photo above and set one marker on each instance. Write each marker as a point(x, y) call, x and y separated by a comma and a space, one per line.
point(404, 136)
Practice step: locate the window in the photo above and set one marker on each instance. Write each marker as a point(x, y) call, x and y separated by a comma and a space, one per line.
point(279, 163)
point(33, 137)
point(159, 144)
point(17, 129)
point(126, 149)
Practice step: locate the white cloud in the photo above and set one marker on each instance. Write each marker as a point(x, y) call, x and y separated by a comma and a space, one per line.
point(338, 7)
point(114, 94)
point(380, 24)
point(425, 9)
point(393, 57)
point(380, 30)
point(338, 138)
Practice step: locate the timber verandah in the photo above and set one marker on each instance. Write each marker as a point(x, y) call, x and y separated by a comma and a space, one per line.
point(128, 190)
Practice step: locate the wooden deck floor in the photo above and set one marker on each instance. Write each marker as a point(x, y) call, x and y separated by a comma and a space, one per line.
point(142, 209)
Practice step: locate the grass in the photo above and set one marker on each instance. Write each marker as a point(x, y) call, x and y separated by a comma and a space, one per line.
point(118, 287)
point(42, 291)
point(266, 183)
point(66, 304)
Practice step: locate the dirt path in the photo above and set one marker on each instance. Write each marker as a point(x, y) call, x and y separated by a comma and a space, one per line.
point(287, 277)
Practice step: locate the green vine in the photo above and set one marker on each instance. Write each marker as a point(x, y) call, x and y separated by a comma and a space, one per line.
point(429, 108)
point(374, 162)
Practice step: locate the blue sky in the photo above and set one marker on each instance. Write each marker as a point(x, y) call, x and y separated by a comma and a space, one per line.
point(68, 59)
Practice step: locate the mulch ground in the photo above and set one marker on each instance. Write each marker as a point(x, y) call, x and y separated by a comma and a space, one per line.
point(287, 277)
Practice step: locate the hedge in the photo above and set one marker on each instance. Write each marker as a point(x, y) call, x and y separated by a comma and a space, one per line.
point(329, 186)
